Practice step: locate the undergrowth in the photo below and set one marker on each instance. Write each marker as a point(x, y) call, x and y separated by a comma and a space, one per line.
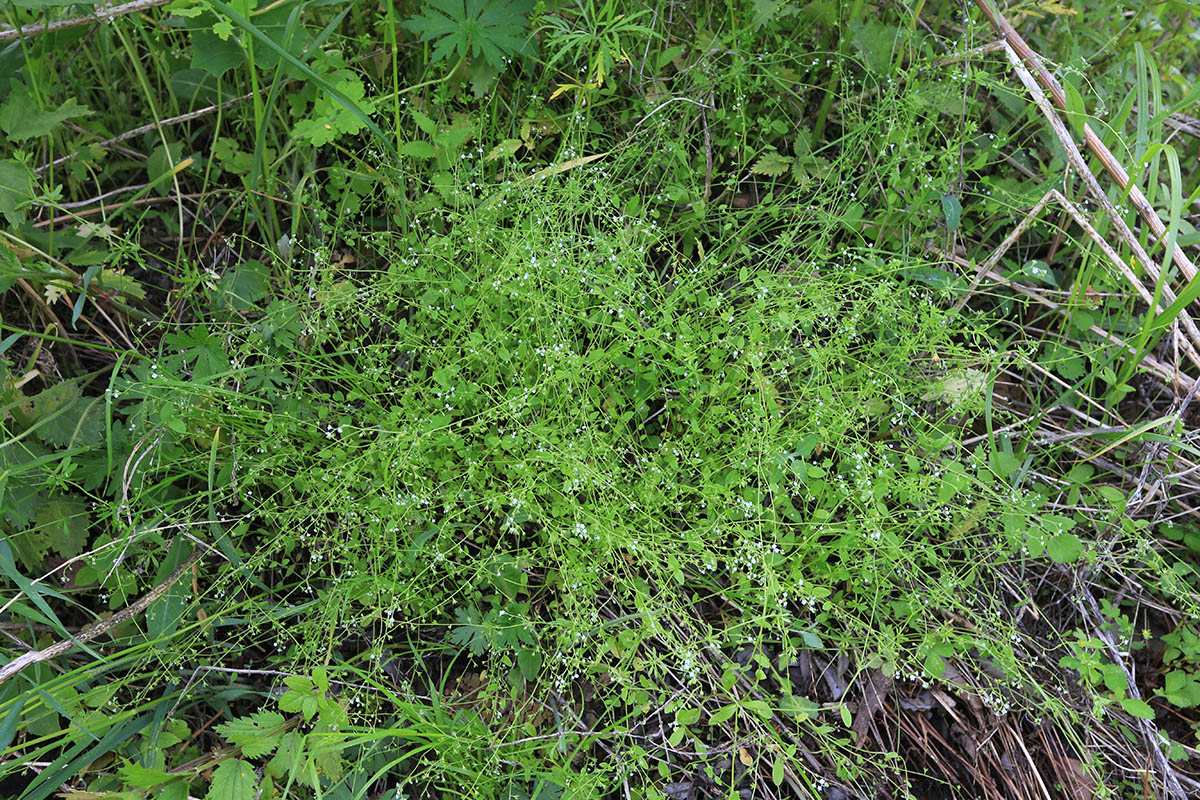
point(575, 401)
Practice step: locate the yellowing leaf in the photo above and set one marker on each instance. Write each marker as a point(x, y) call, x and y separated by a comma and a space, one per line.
point(1053, 7)
point(590, 86)
point(54, 292)
point(567, 165)
point(505, 149)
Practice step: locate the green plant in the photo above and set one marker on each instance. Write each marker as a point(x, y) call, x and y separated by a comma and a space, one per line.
point(493, 29)
point(535, 448)
point(598, 34)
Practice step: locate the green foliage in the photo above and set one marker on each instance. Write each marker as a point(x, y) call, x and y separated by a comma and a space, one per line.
point(632, 376)
point(493, 29)
point(21, 119)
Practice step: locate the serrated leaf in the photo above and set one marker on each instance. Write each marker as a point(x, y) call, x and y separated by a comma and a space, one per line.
point(232, 780)
point(1114, 679)
point(470, 631)
point(22, 120)
point(136, 776)
point(425, 123)
point(287, 756)
point(505, 149)
point(63, 523)
point(115, 280)
point(1064, 548)
point(493, 29)
point(772, 164)
point(65, 419)
point(330, 118)
point(257, 734)
point(764, 12)
point(1138, 708)
point(418, 149)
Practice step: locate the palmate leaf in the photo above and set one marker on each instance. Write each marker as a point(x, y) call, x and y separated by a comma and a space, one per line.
point(493, 29)
point(21, 119)
point(471, 632)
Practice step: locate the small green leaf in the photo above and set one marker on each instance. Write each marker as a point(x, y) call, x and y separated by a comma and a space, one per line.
point(759, 707)
point(876, 42)
point(1137, 708)
point(1114, 679)
point(425, 123)
point(257, 734)
point(63, 521)
point(418, 149)
point(722, 714)
point(215, 55)
point(16, 190)
point(232, 780)
point(493, 29)
point(505, 149)
point(1064, 548)
point(135, 776)
point(798, 707)
point(22, 120)
point(687, 716)
point(935, 665)
point(772, 164)
point(471, 631)
point(952, 210)
point(529, 660)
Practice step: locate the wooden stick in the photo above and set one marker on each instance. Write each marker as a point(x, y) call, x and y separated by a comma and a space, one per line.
point(1111, 165)
point(92, 631)
point(8, 33)
point(1075, 158)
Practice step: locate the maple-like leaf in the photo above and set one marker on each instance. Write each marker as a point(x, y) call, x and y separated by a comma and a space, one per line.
point(472, 632)
point(493, 29)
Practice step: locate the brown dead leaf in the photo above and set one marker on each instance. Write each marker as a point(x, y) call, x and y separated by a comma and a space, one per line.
point(875, 688)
